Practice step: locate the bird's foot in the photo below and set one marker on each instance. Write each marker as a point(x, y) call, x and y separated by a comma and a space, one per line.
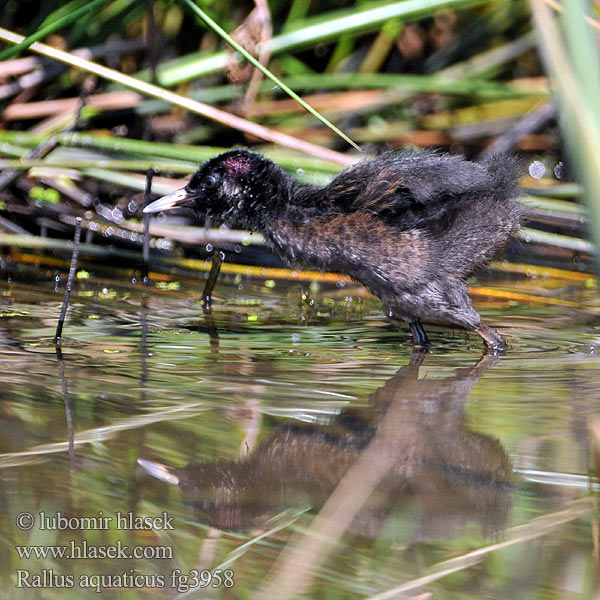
point(493, 340)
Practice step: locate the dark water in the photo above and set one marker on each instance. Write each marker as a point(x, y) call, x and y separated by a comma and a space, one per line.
point(449, 474)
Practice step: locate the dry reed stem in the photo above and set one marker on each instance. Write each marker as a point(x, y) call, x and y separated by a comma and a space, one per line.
point(194, 106)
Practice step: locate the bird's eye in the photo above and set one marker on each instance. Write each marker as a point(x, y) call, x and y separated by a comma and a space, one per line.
point(211, 180)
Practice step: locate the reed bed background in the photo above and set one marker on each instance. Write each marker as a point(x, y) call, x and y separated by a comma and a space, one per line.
point(96, 94)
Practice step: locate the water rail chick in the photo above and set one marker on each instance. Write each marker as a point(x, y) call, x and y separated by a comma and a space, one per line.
point(411, 227)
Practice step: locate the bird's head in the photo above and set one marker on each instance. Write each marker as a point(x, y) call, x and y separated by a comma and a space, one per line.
point(236, 188)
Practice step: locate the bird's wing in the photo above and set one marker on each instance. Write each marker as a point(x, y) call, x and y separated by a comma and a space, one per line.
point(393, 182)
point(386, 195)
point(400, 183)
point(369, 186)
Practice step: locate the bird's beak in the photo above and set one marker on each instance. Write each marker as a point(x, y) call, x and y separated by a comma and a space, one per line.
point(177, 199)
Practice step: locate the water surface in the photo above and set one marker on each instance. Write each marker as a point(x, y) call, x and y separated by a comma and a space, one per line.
point(451, 473)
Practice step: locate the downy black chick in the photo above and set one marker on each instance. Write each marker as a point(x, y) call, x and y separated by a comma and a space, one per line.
point(411, 227)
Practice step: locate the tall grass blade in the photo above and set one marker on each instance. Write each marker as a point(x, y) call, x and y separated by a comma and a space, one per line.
point(220, 31)
point(194, 106)
point(50, 28)
point(332, 27)
point(580, 121)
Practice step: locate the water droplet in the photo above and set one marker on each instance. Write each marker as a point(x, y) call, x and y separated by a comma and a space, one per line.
point(537, 169)
point(591, 349)
point(559, 170)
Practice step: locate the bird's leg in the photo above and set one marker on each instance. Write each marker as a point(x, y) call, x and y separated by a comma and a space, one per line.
point(217, 261)
point(420, 340)
point(213, 335)
point(493, 340)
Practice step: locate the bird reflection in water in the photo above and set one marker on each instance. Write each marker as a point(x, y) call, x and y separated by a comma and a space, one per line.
point(414, 435)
